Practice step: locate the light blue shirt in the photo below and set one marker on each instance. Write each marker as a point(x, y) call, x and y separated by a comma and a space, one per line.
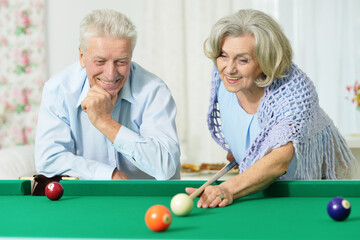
point(241, 128)
point(146, 146)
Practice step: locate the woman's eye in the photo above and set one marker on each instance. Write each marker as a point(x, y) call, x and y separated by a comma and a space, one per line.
point(222, 55)
point(243, 61)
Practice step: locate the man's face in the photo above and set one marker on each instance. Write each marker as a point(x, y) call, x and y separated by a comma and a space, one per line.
point(107, 62)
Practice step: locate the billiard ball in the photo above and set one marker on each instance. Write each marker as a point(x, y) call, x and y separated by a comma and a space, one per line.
point(181, 204)
point(54, 191)
point(339, 208)
point(158, 218)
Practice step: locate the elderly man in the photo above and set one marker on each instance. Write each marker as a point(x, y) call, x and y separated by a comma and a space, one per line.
point(105, 117)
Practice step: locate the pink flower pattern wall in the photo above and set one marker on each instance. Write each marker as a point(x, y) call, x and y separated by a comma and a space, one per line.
point(22, 69)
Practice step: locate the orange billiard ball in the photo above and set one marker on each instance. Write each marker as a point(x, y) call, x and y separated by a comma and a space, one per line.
point(54, 191)
point(158, 218)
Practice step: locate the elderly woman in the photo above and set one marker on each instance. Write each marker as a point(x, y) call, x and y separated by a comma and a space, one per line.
point(265, 111)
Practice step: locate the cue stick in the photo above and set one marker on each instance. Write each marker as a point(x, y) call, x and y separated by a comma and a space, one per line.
point(216, 177)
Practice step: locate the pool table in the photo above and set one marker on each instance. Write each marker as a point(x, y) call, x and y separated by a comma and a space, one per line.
point(116, 209)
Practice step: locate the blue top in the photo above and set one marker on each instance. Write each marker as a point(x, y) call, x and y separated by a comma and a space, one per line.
point(146, 146)
point(239, 127)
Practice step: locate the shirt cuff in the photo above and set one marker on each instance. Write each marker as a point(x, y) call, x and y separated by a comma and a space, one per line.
point(103, 172)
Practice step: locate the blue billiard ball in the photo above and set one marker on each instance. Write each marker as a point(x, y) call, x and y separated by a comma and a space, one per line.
point(339, 208)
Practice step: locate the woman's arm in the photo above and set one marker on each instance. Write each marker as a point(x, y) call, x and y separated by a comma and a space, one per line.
point(256, 178)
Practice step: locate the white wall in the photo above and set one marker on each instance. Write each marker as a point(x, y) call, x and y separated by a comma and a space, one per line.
point(63, 21)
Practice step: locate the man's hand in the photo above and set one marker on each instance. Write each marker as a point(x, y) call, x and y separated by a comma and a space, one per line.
point(98, 105)
point(117, 175)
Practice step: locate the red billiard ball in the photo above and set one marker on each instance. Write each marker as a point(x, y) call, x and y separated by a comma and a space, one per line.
point(158, 218)
point(339, 208)
point(54, 191)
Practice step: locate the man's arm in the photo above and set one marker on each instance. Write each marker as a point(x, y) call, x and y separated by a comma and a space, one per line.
point(155, 149)
point(55, 147)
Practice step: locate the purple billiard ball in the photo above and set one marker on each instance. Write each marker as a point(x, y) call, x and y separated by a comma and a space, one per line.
point(339, 208)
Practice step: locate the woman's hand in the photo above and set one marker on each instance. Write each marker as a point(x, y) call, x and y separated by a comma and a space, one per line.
point(213, 196)
point(256, 178)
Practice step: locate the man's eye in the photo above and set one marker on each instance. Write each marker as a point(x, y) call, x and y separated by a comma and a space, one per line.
point(121, 63)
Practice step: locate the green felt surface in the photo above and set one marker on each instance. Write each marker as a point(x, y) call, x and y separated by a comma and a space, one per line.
point(169, 188)
point(287, 210)
point(15, 187)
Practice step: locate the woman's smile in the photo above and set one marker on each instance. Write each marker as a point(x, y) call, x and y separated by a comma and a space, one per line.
point(232, 80)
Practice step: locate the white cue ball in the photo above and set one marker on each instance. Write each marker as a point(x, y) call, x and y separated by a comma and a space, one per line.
point(181, 204)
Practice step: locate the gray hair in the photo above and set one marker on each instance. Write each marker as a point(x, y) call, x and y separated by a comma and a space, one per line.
point(106, 23)
point(272, 48)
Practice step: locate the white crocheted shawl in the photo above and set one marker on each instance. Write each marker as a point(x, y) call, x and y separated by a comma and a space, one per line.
point(290, 111)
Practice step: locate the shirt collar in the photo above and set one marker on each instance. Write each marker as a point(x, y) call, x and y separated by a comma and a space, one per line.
point(84, 91)
point(125, 92)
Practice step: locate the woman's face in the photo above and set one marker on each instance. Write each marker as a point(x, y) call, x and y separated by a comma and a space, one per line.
point(237, 63)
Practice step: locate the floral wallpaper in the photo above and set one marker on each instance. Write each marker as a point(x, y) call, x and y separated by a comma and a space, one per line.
point(22, 69)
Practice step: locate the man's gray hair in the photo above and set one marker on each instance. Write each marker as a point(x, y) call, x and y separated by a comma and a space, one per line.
point(106, 23)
